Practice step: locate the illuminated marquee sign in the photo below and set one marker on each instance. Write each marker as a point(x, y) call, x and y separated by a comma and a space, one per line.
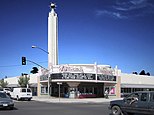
point(83, 76)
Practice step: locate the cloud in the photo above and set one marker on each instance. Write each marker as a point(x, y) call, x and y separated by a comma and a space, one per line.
point(136, 2)
point(110, 13)
point(123, 9)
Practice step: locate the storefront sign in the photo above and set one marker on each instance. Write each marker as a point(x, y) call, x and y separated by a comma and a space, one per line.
point(68, 68)
point(105, 71)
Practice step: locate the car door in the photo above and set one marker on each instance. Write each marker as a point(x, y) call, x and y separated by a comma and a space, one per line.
point(141, 105)
point(129, 107)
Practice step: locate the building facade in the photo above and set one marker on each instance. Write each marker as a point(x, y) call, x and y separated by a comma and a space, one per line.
point(132, 83)
point(33, 82)
point(81, 80)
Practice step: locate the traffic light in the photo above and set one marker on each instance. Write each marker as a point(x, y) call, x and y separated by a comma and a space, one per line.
point(23, 60)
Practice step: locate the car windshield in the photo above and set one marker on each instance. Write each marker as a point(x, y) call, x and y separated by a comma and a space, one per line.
point(3, 95)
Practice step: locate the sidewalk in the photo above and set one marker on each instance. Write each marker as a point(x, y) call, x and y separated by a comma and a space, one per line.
point(70, 100)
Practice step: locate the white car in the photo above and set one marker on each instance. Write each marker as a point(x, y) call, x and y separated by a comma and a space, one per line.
point(21, 93)
point(6, 90)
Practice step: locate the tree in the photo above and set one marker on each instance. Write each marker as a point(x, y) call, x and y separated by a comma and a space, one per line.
point(148, 74)
point(135, 73)
point(3, 83)
point(142, 72)
point(23, 81)
point(34, 70)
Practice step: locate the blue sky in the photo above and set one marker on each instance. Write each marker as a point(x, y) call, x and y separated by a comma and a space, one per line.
point(113, 32)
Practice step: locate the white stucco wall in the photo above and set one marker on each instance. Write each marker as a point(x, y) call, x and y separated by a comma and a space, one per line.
point(33, 78)
point(136, 79)
point(14, 80)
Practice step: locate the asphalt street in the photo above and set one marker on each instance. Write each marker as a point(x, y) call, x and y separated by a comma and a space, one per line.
point(43, 108)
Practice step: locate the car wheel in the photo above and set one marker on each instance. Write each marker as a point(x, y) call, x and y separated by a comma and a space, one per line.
point(115, 110)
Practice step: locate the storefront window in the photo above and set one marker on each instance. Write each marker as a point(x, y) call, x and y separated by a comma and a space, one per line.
point(151, 89)
point(110, 89)
point(44, 90)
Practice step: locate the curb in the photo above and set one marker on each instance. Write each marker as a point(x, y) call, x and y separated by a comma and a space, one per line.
point(68, 100)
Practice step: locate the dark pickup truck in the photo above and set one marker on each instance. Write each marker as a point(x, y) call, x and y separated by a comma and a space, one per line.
point(141, 102)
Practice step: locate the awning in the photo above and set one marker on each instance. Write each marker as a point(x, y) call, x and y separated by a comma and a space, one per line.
point(33, 85)
point(16, 85)
point(137, 86)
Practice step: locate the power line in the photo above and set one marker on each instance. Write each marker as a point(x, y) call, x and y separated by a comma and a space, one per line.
point(10, 66)
point(3, 66)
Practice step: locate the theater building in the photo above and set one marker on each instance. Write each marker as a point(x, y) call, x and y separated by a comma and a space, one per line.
point(81, 80)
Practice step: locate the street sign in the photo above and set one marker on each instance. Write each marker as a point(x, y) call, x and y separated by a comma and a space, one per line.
point(59, 83)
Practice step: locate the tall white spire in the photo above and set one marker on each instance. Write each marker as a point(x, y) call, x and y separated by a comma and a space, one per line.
point(52, 37)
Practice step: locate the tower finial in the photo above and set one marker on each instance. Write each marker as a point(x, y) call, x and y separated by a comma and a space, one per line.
point(52, 5)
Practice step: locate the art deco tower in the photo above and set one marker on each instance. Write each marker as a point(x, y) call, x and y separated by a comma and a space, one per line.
point(52, 37)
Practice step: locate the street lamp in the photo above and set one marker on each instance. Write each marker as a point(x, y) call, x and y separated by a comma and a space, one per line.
point(48, 67)
point(40, 49)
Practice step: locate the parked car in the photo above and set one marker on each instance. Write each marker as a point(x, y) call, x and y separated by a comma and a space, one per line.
point(21, 93)
point(139, 103)
point(6, 90)
point(6, 101)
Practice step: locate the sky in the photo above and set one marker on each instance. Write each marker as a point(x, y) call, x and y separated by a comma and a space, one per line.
point(109, 32)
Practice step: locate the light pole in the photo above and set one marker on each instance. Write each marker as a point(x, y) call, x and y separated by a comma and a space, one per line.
point(47, 69)
point(40, 49)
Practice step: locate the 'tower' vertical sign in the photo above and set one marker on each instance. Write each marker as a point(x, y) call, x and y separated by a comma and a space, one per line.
point(52, 37)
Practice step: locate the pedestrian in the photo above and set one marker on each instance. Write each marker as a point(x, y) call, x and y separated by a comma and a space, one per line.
point(106, 94)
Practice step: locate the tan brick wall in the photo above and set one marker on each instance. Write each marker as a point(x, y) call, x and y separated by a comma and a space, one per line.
point(118, 87)
point(38, 86)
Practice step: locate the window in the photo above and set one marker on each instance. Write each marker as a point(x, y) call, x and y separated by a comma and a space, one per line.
point(3, 95)
point(28, 90)
point(23, 90)
point(126, 90)
point(136, 95)
point(110, 89)
point(152, 97)
point(144, 96)
point(42, 90)
point(152, 89)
